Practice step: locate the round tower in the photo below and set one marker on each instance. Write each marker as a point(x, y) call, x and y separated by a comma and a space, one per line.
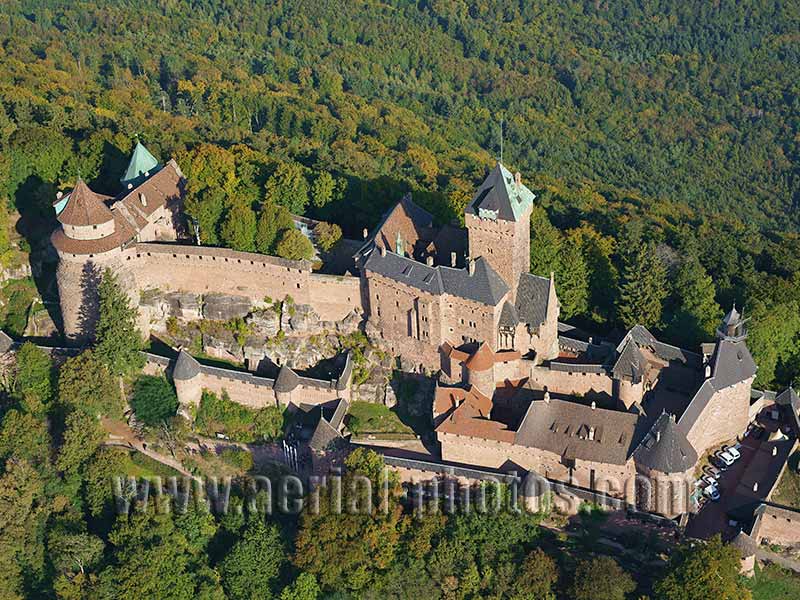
point(479, 370)
point(88, 241)
point(188, 387)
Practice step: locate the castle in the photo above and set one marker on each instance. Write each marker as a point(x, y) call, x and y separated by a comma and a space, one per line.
point(515, 386)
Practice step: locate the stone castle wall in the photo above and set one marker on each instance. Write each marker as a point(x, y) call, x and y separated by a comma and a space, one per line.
point(201, 270)
point(780, 526)
point(570, 382)
point(725, 417)
point(616, 480)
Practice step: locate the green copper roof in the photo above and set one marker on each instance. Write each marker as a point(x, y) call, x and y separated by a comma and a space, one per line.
point(141, 162)
point(501, 196)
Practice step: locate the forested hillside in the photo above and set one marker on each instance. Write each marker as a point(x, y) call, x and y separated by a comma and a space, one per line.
point(663, 136)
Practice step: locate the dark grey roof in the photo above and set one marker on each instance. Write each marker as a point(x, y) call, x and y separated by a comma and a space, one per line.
point(324, 434)
point(644, 338)
point(533, 294)
point(287, 380)
point(6, 343)
point(186, 367)
point(337, 418)
point(789, 400)
point(484, 285)
point(732, 363)
point(630, 363)
point(665, 448)
point(508, 315)
point(563, 427)
point(747, 546)
point(501, 195)
point(347, 372)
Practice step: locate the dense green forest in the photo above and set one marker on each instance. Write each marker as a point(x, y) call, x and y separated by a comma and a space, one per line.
point(661, 136)
point(661, 139)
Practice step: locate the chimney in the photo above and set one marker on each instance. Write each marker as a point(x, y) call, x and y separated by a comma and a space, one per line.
point(383, 250)
point(708, 371)
point(59, 195)
point(471, 266)
point(429, 261)
point(517, 179)
point(365, 233)
point(453, 259)
point(143, 199)
point(594, 404)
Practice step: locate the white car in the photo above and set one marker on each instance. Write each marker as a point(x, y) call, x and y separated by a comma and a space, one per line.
point(726, 458)
point(712, 492)
point(734, 452)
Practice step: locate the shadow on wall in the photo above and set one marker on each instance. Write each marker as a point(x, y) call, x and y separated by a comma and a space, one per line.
point(90, 301)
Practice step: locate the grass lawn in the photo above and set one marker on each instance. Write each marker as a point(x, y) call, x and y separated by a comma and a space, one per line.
point(137, 464)
point(774, 583)
point(787, 491)
point(367, 417)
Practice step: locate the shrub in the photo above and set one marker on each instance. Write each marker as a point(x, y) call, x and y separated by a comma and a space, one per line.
point(327, 235)
point(154, 400)
point(237, 458)
point(294, 246)
point(240, 423)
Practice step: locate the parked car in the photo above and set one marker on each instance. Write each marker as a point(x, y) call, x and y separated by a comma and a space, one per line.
point(712, 470)
point(726, 458)
point(712, 492)
point(734, 452)
point(719, 463)
point(707, 480)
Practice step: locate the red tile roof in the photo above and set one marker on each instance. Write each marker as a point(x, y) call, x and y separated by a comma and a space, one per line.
point(85, 208)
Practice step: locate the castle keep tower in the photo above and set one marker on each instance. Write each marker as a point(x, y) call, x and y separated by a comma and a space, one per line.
point(96, 231)
point(88, 240)
point(498, 224)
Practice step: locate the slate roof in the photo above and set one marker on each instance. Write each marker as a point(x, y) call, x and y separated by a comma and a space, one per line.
point(508, 315)
point(407, 216)
point(499, 195)
point(630, 363)
point(746, 545)
point(533, 296)
point(141, 162)
point(484, 285)
point(562, 427)
point(789, 399)
point(328, 429)
point(287, 380)
point(665, 448)
point(186, 367)
point(731, 364)
point(84, 207)
point(643, 338)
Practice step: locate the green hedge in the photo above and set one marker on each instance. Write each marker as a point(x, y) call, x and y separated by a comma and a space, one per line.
point(241, 424)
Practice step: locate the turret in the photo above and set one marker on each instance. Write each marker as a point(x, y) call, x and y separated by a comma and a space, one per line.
point(141, 166)
point(732, 326)
point(186, 376)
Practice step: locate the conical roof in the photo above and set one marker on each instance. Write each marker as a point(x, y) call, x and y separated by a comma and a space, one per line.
point(85, 207)
point(665, 448)
point(501, 196)
point(732, 317)
point(141, 162)
point(186, 367)
point(287, 380)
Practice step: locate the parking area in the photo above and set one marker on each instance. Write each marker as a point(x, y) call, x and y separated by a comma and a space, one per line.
point(764, 451)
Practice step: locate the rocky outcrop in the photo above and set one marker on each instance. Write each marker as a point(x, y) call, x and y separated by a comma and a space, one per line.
point(225, 307)
point(263, 323)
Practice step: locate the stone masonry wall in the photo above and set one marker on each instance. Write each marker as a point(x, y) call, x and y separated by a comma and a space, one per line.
point(565, 382)
point(615, 480)
point(779, 526)
point(724, 418)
